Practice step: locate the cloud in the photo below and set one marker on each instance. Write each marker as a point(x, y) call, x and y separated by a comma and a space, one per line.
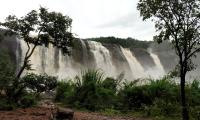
point(91, 18)
point(123, 21)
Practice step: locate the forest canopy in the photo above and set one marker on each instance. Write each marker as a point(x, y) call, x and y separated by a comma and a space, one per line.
point(126, 43)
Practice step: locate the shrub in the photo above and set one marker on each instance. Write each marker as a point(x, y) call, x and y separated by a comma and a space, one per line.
point(193, 93)
point(39, 83)
point(89, 91)
point(195, 112)
point(156, 98)
point(6, 71)
point(162, 108)
point(64, 92)
point(5, 105)
point(28, 101)
point(164, 89)
point(133, 97)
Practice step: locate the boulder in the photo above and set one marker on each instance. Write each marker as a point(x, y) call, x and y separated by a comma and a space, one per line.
point(64, 114)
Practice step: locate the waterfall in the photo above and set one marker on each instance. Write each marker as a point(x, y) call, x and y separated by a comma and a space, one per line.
point(136, 67)
point(43, 60)
point(66, 68)
point(158, 70)
point(51, 61)
point(18, 54)
point(102, 58)
point(84, 48)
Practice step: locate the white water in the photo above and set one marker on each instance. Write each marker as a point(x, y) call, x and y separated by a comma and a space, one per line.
point(52, 62)
point(102, 57)
point(157, 71)
point(17, 52)
point(136, 67)
point(43, 61)
point(66, 68)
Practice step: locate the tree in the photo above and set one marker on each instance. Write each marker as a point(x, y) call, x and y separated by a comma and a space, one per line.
point(49, 27)
point(178, 22)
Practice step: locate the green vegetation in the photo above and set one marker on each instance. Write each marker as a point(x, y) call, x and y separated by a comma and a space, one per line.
point(126, 43)
point(51, 28)
point(159, 99)
point(28, 90)
point(176, 21)
point(90, 91)
point(39, 83)
point(6, 78)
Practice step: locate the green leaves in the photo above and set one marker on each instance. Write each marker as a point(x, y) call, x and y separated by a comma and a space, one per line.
point(56, 26)
point(39, 83)
point(90, 91)
point(6, 70)
point(178, 22)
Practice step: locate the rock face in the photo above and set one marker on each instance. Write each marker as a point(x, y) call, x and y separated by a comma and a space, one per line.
point(144, 57)
point(10, 43)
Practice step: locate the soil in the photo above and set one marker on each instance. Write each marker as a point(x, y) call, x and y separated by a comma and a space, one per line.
point(35, 113)
point(43, 113)
point(96, 116)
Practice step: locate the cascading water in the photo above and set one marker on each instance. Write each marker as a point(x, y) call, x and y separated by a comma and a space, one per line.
point(84, 48)
point(158, 66)
point(43, 60)
point(136, 67)
point(18, 54)
point(52, 62)
point(66, 68)
point(158, 70)
point(102, 58)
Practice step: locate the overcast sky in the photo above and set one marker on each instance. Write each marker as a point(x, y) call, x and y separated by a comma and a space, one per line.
point(91, 18)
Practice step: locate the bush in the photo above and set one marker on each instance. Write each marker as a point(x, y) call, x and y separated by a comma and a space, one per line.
point(39, 83)
point(164, 89)
point(132, 96)
point(193, 93)
point(89, 91)
point(156, 98)
point(6, 71)
point(28, 101)
point(4, 105)
point(64, 92)
point(162, 108)
point(195, 112)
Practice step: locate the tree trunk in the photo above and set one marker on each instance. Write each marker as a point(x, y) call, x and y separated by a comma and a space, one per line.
point(21, 70)
point(27, 56)
point(185, 114)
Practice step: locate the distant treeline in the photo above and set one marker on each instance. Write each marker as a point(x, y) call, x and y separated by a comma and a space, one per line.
point(126, 43)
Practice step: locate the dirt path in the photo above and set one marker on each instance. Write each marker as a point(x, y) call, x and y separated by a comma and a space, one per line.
point(36, 113)
point(41, 113)
point(95, 116)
